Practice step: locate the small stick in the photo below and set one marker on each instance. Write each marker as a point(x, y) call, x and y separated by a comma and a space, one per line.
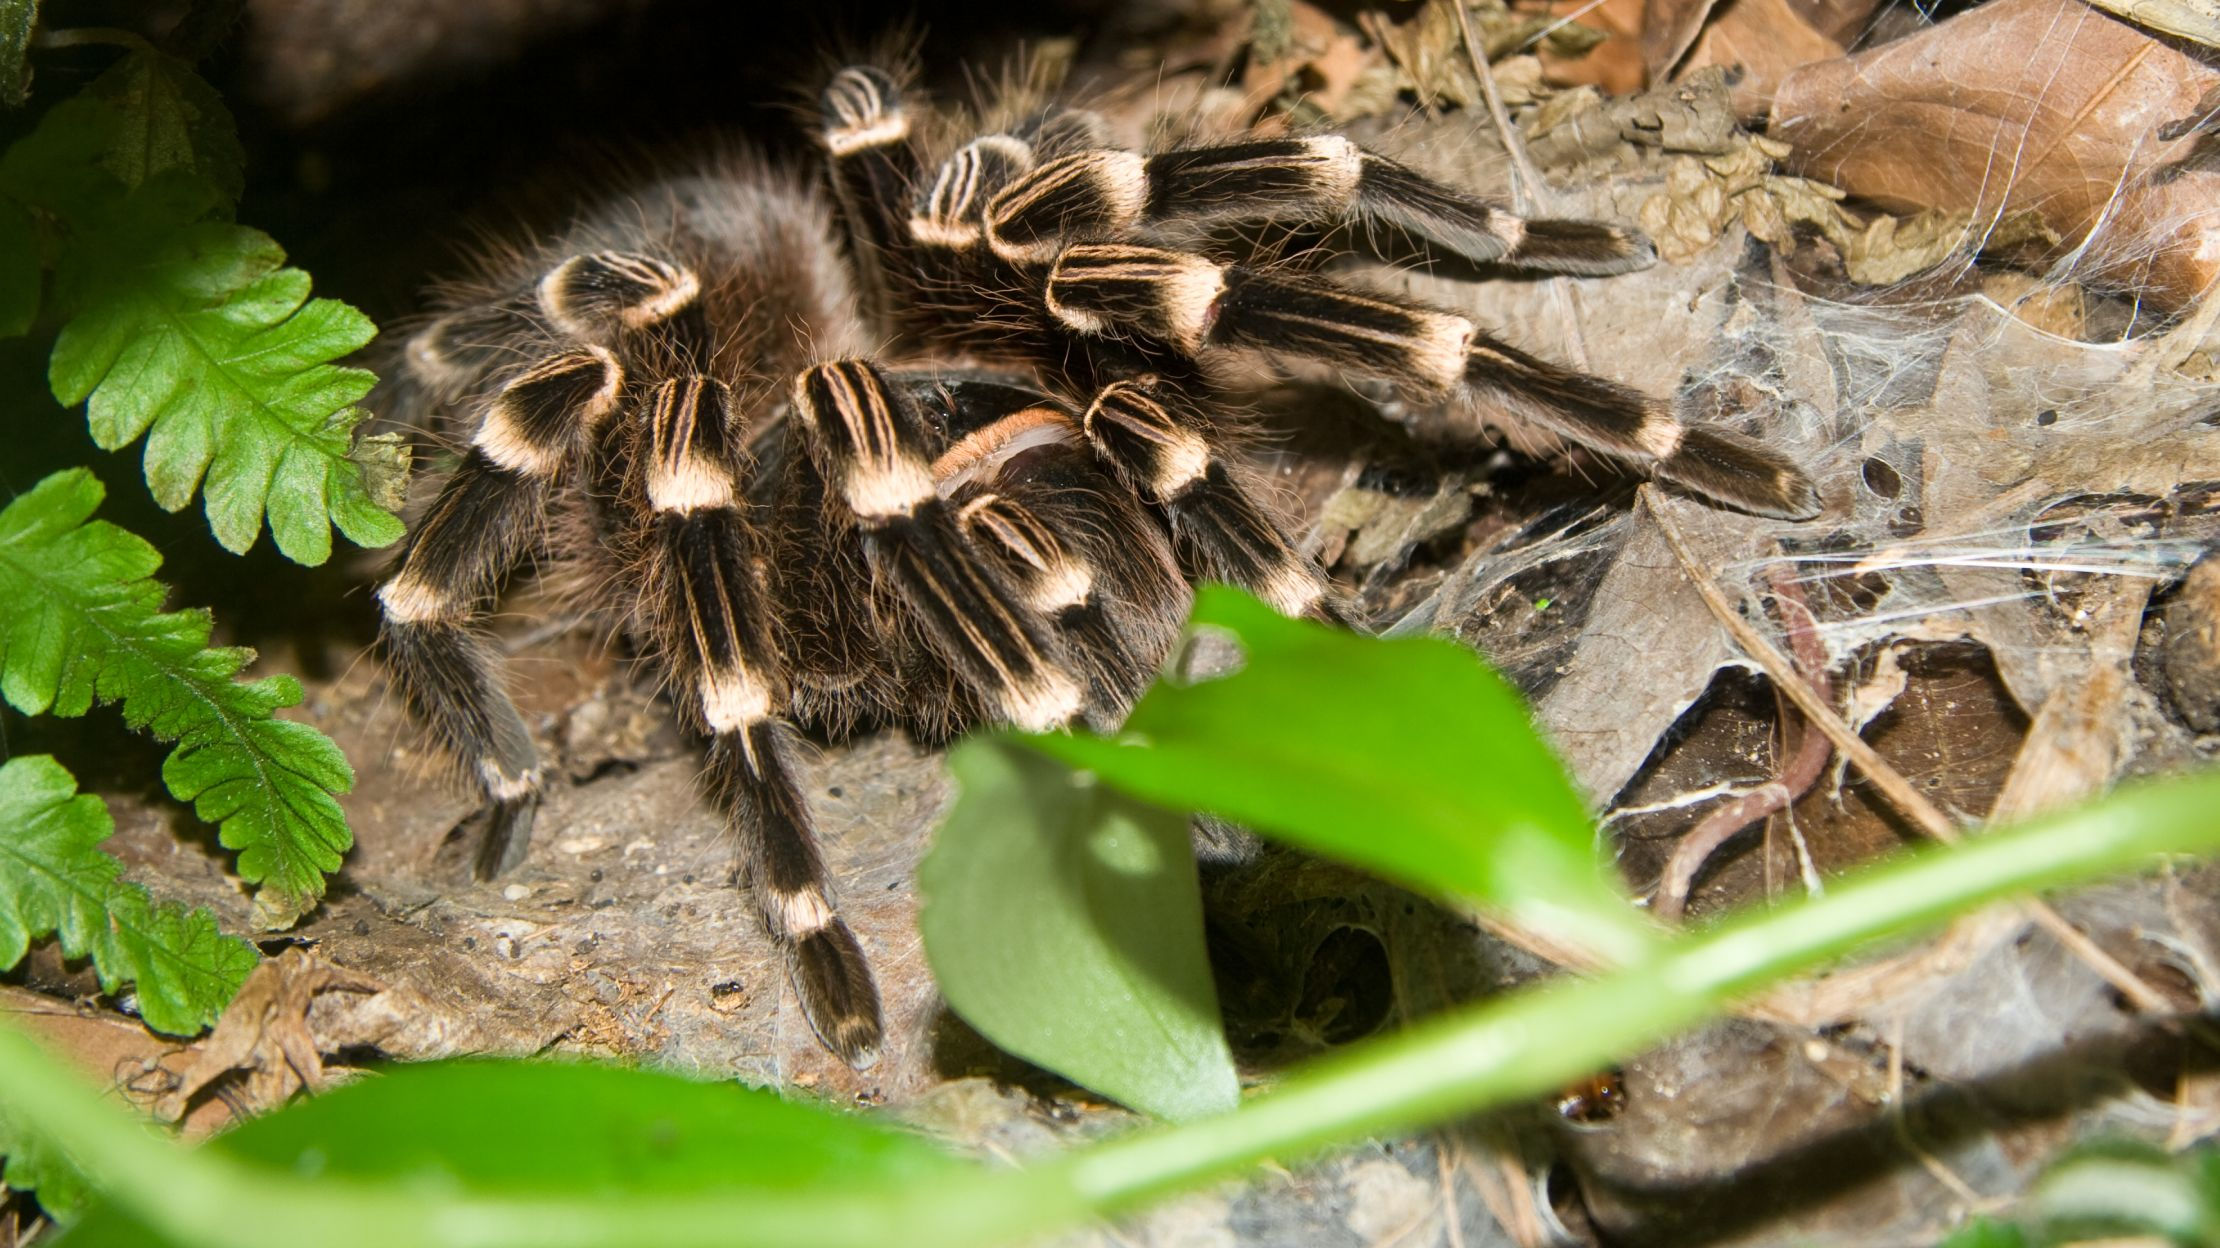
point(1878, 771)
point(1526, 183)
point(1529, 194)
point(1802, 770)
point(1908, 801)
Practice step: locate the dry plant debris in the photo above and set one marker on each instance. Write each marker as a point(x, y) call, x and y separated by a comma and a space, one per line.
point(2043, 106)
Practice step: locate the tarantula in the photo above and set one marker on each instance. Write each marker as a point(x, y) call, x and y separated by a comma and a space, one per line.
point(944, 447)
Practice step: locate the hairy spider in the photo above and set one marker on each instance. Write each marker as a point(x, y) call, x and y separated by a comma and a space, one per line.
point(946, 448)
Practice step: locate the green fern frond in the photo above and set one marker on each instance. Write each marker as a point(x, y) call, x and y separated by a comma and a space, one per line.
point(215, 352)
point(81, 622)
point(57, 882)
point(181, 327)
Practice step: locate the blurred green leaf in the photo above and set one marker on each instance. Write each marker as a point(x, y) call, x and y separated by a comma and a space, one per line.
point(2123, 1190)
point(1984, 1233)
point(1409, 758)
point(1064, 922)
point(147, 119)
point(32, 1165)
point(167, 118)
point(494, 1130)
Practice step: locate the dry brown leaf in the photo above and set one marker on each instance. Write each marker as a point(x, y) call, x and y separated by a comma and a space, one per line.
point(265, 1035)
point(1615, 66)
point(1429, 48)
point(1765, 41)
point(2191, 19)
point(1299, 53)
point(2045, 106)
point(1693, 116)
point(1669, 29)
point(1770, 37)
point(2053, 307)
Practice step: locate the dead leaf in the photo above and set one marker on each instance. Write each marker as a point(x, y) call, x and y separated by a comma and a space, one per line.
point(1615, 66)
point(1669, 29)
point(1430, 50)
point(1762, 42)
point(1767, 37)
point(2191, 19)
point(2042, 106)
point(1693, 117)
point(265, 1036)
point(1299, 55)
point(2059, 308)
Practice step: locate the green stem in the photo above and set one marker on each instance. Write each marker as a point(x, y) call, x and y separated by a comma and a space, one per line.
point(1449, 1066)
point(1524, 1045)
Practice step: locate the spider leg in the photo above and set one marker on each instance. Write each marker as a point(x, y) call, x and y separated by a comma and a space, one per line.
point(1198, 307)
point(714, 621)
point(1109, 193)
point(872, 444)
point(488, 513)
point(1075, 545)
point(866, 132)
point(588, 298)
point(454, 354)
point(1159, 442)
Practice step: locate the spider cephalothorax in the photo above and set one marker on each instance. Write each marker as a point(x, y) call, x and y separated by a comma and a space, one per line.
point(946, 450)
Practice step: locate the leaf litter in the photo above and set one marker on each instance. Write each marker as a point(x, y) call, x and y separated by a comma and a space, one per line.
point(2019, 467)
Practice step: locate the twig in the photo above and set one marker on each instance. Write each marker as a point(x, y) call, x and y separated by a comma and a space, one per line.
point(1802, 770)
point(1901, 1127)
point(1527, 188)
point(1885, 778)
point(1447, 1170)
point(1878, 771)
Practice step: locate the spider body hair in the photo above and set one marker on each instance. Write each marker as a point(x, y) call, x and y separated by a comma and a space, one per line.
point(942, 441)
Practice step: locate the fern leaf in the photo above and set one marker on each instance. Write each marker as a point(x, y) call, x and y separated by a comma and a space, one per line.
point(81, 622)
point(214, 351)
point(167, 118)
point(57, 882)
point(182, 327)
point(147, 116)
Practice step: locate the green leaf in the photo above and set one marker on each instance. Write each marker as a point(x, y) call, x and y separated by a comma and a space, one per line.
point(56, 881)
point(215, 353)
point(2121, 1190)
point(81, 622)
point(1063, 921)
point(1409, 758)
point(1984, 1233)
point(146, 121)
point(484, 1129)
point(18, 18)
point(167, 118)
point(457, 1171)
